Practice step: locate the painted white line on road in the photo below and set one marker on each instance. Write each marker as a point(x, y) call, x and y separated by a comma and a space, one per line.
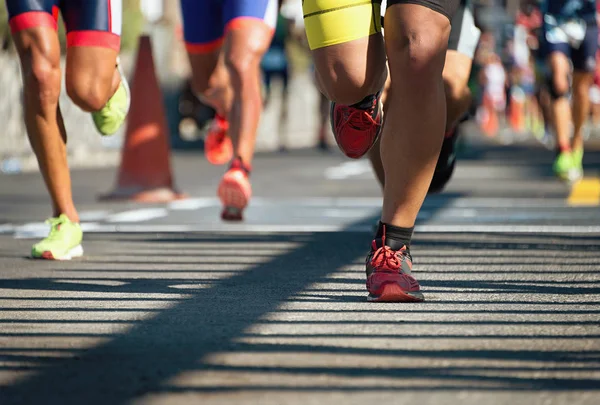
point(32, 230)
point(6, 228)
point(93, 215)
point(38, 230)
point(143, 214)
point(87, 281)
point(485, 202)
point(342, 213)
point(191, 204)
point(347, 169)
point(558, 229)
point(327, 202)
point(241, 228)
point(192, 286)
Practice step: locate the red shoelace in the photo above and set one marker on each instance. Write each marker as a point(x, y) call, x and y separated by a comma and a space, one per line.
point(360, 119)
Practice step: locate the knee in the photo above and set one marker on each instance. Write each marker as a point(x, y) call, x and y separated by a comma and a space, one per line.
point(418, 52)
point(42, 78)
point(243, 65)
point(559, 86)
point(87, 92)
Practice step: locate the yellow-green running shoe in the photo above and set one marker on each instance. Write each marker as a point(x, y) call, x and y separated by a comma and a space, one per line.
point(565, 168)
point(110, 118)
point(578, 159)
point(63, 242)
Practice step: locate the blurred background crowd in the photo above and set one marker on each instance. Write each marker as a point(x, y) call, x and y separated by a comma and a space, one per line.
point(506, 81)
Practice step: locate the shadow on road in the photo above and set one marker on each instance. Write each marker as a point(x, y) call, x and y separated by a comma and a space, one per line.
point(219, 315)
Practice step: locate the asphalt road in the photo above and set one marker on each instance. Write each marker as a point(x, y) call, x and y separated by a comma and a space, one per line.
point(170, 306)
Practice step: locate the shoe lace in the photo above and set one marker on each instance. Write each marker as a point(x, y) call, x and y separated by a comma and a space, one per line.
point(55, 224)
point(386, 257)
point(360, 119)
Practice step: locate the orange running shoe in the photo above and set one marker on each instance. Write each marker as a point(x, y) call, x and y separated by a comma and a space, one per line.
point(218, 148)
point(235, 191)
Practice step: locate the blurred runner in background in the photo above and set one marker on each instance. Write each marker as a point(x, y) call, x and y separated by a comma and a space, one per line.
point(275, 65)
point(569, 44)
point(226, 41)
point(292, 10)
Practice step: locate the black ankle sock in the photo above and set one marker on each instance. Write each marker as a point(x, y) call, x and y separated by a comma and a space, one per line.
point(365, 103)
point(395, 236)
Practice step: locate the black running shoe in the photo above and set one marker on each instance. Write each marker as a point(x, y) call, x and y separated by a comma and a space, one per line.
point(446, 162)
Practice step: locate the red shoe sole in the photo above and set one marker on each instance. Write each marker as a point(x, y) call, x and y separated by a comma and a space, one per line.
point(392, 292)
point(234, 199)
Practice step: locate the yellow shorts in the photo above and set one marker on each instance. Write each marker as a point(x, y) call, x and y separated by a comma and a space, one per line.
point(332, 22)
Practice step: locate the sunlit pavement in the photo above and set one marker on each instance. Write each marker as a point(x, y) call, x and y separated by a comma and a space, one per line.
point(171, 306)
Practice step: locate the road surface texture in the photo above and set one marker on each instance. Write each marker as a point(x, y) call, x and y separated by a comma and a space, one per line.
point(170, 306)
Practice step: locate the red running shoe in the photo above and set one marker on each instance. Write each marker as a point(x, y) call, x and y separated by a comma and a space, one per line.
point(218, 148)
point(235, 191)
point(356, 130)
point(389, 277)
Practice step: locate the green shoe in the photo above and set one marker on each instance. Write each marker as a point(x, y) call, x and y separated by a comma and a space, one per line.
point(578, 161)
point(578, 157)
point(63, 242)
point(565, 167)
point(110, 118)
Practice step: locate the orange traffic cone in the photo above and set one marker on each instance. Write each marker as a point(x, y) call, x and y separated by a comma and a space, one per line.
point(517, 110)
point(488, 117)
point(145, 172)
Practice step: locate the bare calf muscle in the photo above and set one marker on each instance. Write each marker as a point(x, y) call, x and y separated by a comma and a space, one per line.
point(225, 42)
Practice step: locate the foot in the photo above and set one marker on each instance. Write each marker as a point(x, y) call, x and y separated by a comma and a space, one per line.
point(63, 242)
point(445, 164)
point(357, 129)
point(110, 118)
point(218, 148)
point(235, 191)
point(566, 168)
point(389, 277)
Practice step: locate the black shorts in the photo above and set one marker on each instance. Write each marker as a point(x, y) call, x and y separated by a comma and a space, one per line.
point(445, 7)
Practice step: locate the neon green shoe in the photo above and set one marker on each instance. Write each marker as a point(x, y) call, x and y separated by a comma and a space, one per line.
point(565, 168)
point(63, 242)
point(110, 118)
point(578, 158)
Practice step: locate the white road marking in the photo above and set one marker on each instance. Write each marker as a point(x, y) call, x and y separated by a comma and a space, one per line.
point(6, 228)
point(87, 281)
point(192, 204)
point(548, 229)
point(343, 213)
point(38, 230)
point(139, 215)
point(243, 228)
point(93, 215)
point(347, 169)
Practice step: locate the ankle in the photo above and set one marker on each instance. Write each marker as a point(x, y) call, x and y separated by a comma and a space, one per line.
point(71, 214)
point(394, 236)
